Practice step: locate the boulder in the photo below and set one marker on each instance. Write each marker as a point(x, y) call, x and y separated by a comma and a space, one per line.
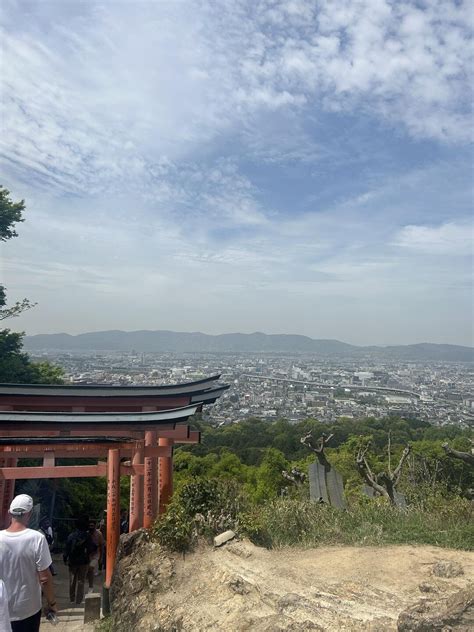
point(442, 615)
point(447, 568)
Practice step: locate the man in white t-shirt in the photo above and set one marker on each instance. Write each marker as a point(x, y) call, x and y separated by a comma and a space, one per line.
point(24, 567)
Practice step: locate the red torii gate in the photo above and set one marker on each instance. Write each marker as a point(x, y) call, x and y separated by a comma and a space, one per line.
point(49, 422)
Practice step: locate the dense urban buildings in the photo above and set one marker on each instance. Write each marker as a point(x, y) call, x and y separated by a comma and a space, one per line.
point(294, 387)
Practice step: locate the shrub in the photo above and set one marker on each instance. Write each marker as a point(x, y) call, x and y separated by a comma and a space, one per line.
point(202, 507)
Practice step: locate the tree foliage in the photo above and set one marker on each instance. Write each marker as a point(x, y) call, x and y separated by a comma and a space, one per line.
point(15, 365)
point(11, 213)
point(17, 368)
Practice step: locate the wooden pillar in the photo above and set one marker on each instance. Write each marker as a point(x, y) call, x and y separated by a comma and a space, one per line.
point(136, 491)
point(3, 463)
point(150, 484)
point(113, 512)
point(7, 495)
point(166, 476)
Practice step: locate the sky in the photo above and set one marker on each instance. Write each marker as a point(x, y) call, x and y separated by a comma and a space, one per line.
point(296, 166)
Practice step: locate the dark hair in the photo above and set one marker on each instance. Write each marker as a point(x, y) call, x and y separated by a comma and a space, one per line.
point(82, 523)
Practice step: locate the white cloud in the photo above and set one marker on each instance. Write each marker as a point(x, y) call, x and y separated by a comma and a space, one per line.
point(127, 127)
point(451, 238)
point(99, 97)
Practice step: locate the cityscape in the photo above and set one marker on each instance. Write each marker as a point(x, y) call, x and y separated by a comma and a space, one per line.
point(292, 387)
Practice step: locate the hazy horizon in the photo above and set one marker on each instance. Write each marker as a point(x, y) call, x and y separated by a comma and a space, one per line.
point(223, 333)
point(286, 167)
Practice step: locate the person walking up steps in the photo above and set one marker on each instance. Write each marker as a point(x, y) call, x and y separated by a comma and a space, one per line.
point(98, 541)
point(24, 567)
point(79, 547)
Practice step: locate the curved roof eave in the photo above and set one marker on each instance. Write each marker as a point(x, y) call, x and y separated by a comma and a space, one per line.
point(131, 419)
point(104, 390)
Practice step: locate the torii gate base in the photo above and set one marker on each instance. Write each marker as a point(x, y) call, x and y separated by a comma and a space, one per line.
point(149, 492)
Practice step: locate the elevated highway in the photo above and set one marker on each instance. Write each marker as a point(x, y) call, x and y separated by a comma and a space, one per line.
point(324, 385)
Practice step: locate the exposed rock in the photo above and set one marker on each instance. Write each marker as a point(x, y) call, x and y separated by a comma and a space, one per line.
point(447, 568)
point(443, 615)
point(222, 538)
point(240, 586)
point(426, 587)
point(244, 588)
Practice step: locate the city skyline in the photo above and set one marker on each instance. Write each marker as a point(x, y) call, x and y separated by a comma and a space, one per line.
point(287, 167)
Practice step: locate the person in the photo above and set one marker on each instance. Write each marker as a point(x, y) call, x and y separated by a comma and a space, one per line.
point(98, 541)
point(47, 530)
point(123, 521)
point(79, 547)
point(24, 567)
point(103, 530)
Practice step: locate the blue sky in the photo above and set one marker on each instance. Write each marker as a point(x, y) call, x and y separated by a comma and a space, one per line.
point(230, 165)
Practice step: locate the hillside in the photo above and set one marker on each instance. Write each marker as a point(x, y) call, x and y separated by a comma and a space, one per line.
point(242, 587)
point(182, 342)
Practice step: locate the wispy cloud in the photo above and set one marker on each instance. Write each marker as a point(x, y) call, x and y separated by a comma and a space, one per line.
point(250, 151)
point(453, 239)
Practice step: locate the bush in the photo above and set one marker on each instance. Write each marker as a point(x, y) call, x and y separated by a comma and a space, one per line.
point(202, 507)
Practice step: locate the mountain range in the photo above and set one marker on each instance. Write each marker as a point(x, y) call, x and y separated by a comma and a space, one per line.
point(196, 342)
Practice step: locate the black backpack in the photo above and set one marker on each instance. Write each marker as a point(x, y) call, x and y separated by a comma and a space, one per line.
point(81, 549)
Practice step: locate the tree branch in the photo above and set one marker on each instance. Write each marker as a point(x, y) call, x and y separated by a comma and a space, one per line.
point(395, 477)
point(367, 474)
point(464, 456)
point(318, 447)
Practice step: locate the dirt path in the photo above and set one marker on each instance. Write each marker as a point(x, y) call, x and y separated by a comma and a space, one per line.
point(243, 588)
point(70, 616)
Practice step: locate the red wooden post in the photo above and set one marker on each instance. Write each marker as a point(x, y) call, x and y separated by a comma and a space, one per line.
point(113, 512)
point(8, 494)
point(136, 491)
point(166, 476)
point(150, 491)
point(2, 494)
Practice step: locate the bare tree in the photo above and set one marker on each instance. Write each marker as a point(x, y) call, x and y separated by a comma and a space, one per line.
point(296, 476)
point(318, 447)
point(384, 483)
point(467, 457)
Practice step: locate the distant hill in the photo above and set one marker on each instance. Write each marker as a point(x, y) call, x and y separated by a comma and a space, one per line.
point(181, 342)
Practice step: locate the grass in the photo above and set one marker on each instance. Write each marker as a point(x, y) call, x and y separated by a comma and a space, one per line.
point(292, 522)
point(104, 625)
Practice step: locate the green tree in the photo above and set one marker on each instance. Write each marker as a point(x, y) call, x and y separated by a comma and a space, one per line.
point(11, 213)
point(15, 365)
point(269, 477)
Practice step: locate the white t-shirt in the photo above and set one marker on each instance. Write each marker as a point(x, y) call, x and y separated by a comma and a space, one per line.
point(22, 555)
point(4, 613)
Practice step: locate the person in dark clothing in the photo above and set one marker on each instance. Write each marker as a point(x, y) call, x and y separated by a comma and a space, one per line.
point(123, 521)
point(46, 529)
point(79, 548)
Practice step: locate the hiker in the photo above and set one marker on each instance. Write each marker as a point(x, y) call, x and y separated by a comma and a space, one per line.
point(103, 530)
point(98, 541)
point(24, 567)
point(79, 547)
point(123, 521)
point(46, 529)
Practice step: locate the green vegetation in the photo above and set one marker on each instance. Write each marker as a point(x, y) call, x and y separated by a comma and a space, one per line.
point(233, 480)
point(15, 365)
point(296, 522)
point(104, 625)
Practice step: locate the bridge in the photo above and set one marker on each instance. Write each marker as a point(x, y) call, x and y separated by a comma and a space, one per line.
point(324, 385)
